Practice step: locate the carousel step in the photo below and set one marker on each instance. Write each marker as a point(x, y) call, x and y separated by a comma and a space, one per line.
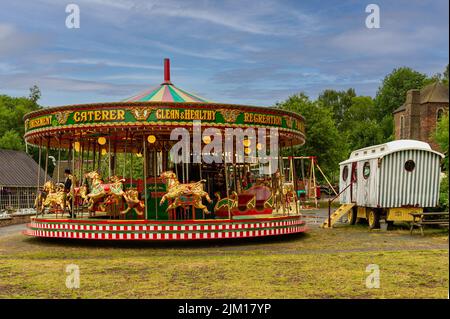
point(338, 214)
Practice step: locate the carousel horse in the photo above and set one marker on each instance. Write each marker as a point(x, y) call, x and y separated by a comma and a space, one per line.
point(278, 192)
point(103, 194)
point(56, 198)
point(184, 194)
point(40, 198)
point(289, 193)
point(284, 193)
point(132, 200)
point(78, 195)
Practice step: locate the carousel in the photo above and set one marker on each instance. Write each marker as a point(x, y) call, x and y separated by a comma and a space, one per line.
point(123, 180)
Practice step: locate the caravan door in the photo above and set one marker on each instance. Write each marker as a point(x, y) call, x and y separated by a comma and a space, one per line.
point(353, 181)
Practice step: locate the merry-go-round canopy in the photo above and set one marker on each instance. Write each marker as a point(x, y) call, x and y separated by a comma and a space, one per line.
point(157, 110)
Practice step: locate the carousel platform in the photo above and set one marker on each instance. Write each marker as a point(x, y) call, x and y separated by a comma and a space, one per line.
point(165, 230)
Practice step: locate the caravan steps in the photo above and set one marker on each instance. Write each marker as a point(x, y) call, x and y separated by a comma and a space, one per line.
point(338, 214)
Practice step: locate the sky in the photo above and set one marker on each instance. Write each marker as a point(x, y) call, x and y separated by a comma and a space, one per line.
point(255, 52)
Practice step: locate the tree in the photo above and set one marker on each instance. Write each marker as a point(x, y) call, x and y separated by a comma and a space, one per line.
point(392, 94)
point(445, 76)
point(339, 102)
point(438, 77)
point(361, 126)
point(35, 93)
point(441, 136)
point(11, 140)
point(12, 110)
point(322, 137)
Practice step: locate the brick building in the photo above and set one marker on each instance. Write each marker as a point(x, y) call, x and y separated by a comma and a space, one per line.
point(416, 118)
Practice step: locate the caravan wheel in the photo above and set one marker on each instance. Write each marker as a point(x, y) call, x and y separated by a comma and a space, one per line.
point(351, 216)
point(374, 219)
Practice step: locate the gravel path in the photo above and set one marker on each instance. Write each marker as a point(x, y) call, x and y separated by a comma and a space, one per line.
point(11, 230)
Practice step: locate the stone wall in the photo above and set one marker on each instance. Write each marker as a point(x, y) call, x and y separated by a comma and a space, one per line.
point(428, 121)
point(15, 219)
point(419, 120)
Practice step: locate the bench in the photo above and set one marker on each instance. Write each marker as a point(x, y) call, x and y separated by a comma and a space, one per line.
point(429, 218)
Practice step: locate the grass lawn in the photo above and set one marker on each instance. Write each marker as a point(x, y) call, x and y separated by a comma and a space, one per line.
point(319, 264)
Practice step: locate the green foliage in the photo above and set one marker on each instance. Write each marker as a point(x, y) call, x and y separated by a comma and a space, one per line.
point(340, 121)
point(443, 195)
point(441, 137)
point(339, 102)
point(323, 138)
point(445, 76)
point(361, 126)
point(11, 140)
point(123, 163)
point(12, 110)
point(35, 93)
point(392, 93)
point(438, 77)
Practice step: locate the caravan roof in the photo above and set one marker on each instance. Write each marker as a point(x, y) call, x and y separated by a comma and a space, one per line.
point(381, 150)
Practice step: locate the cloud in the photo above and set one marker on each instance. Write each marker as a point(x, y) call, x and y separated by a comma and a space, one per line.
point(257, 18)
point(55, 83)
point(13, 41)
point(386, 41)
point(257, 51)
point(216, 54)
point(101, 62)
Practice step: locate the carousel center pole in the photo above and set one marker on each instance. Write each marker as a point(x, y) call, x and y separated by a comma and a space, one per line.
point(46, 159)
point(155, 165)
point(94, 151)
point(294, 178)
point(81, 165)
point(145, 171)
point(73, 179)
point(99, 161)
point(225, 168)
point(131, 162)
point(39, 173)
point(109, 154)
point(59, 160)
point(125, 154)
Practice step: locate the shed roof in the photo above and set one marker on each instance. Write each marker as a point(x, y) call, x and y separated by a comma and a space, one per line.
point(18, 169)
point(381, 150)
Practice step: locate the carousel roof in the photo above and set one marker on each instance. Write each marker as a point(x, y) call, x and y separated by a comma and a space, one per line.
point(166, 92)
point(159, 110)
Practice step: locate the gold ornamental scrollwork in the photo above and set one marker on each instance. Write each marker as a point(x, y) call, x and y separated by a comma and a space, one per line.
point(62, 117)
point(229, 116)
point(289, 121)
point(141, 114)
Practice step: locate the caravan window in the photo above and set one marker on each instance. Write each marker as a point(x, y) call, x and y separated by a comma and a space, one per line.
point(345, 173)
point(366, 170)
point(410, 165)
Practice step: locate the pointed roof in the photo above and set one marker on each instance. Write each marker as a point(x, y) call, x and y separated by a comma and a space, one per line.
point(166, 92)
point(400, 108)
point(434, 93)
